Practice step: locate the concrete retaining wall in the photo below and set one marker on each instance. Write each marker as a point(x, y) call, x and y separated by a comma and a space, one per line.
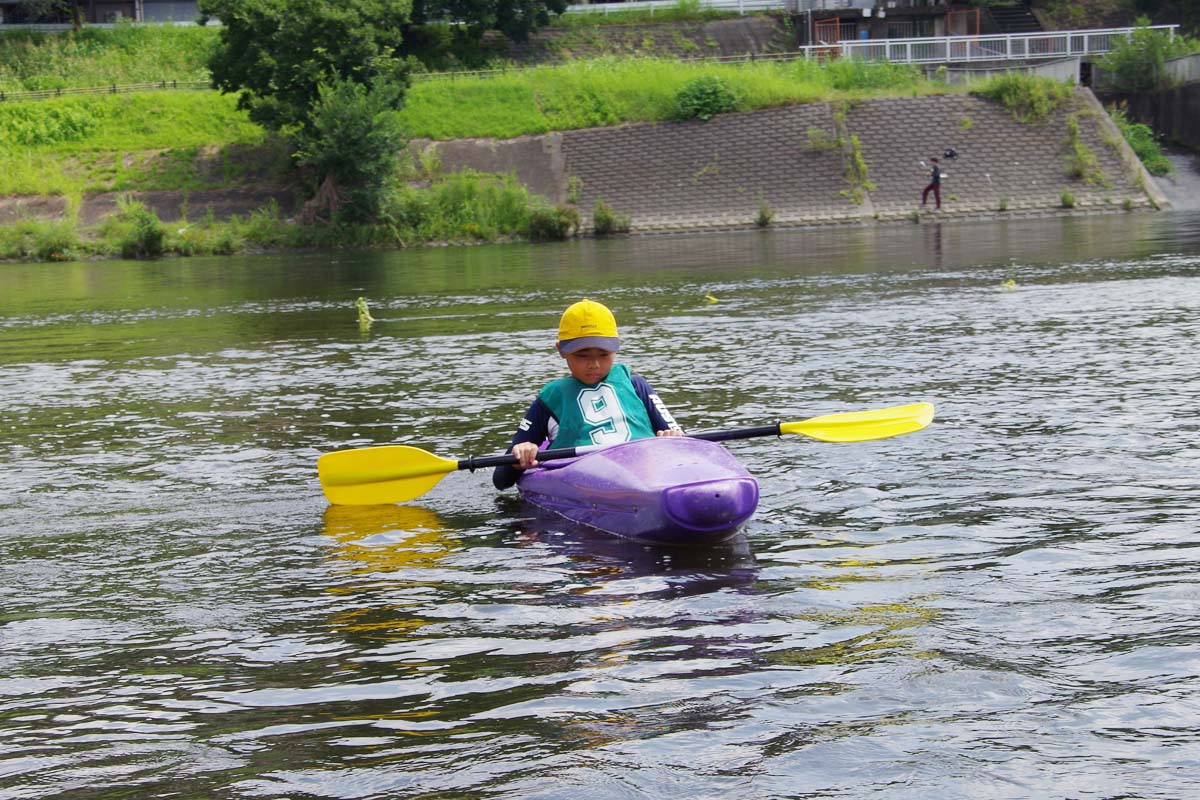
point(1174, 113)
point(718, 174)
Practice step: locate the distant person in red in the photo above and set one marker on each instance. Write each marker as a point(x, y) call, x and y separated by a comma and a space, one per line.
point(935, 183)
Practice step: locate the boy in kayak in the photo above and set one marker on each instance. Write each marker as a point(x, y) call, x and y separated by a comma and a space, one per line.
point(600, 403)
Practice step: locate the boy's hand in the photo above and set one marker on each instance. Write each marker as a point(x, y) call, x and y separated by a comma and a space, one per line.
point(670, 432)
point(526, 453)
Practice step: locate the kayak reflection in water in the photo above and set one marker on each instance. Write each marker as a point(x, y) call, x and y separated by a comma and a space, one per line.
point(600, 403)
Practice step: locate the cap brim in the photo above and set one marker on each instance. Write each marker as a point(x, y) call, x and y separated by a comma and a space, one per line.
point(610, 343)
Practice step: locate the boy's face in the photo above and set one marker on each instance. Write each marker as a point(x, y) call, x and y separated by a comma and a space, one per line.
point(590, 365)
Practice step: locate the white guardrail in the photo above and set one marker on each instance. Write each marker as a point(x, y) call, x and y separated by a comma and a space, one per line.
point(998, 47)
point(740, 6)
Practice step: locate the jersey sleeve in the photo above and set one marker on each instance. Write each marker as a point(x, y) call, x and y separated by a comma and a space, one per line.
point(534, 427)
point(660, 417)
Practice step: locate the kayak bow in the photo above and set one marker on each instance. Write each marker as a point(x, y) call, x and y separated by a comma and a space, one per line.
point(666, 490)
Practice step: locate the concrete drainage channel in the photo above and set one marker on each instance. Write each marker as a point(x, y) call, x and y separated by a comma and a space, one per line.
point(1182, 186)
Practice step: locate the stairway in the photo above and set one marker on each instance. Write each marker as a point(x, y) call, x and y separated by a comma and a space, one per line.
point(1014, 19)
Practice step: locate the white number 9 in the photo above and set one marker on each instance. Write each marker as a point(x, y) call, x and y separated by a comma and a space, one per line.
point(602, 411)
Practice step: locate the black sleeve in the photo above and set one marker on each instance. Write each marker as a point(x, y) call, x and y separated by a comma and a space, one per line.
point(534, 427)
point(660, 417)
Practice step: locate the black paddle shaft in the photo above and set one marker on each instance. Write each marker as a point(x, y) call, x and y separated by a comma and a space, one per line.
point(484, 462)
point(738, 433)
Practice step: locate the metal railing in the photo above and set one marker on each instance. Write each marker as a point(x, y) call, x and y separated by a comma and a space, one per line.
point(61, 27)
point(740, 6)
point(999, 47)
point(112, 88)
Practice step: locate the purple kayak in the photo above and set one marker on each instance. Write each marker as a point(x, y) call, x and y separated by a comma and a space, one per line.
point(666, 490)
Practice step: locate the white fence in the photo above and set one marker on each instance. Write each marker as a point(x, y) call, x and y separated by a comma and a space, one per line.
point(740, 6)
point(1062, 71)
point(1184, 69)
point(1000, 47)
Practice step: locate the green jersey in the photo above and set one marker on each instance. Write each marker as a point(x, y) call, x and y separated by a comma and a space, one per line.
point(608, 412)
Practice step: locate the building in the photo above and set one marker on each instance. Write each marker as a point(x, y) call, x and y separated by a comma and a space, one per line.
point(15, 11)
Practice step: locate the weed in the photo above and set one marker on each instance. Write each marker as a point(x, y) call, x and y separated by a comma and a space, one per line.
point(821, 139)
point(765, 213)
point(1142, 141)
point(574, 189)
point(548, 223)
point(606, 221)
point(1031, 98)
point(1066, 199)
point(140, 233)
point(703, 98)
point(1081, 160)
point(856, 173)
point(40, 240)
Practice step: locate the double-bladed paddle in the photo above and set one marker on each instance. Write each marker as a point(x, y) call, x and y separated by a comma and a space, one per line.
point(397, 473)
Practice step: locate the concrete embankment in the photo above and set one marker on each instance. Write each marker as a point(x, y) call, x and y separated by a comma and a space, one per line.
point(799, 162)
point(816, 164)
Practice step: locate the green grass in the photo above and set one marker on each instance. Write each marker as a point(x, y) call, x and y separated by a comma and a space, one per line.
point(1031, 98)
point(100, 56)
point(1142, 140)
point(84, 143)
point(587, 94)
point(461, 207)
point(682, 11)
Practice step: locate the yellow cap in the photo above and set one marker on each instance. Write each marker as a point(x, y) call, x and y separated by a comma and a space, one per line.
point(587, 324)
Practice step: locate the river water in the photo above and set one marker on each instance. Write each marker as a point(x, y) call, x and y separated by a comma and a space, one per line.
point(1004, 605)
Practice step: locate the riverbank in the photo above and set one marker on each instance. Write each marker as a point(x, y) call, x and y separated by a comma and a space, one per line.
point(830, 163)
point(827, 163)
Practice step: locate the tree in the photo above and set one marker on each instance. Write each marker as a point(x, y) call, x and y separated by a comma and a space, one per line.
point(1181, 12)
point(352, 141)
point(36, 10)
point(325, 74)
point(1138, 62)
point(516, 19)
point(277, 53)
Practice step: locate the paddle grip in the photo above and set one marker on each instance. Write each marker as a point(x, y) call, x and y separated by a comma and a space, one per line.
point(485, 462)
point(738, 433)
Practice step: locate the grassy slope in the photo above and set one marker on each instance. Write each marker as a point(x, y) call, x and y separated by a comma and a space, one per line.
point(614, 91)
point(126, 54)
point(73, 145)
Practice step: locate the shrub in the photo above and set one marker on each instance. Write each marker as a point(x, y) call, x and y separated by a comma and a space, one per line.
point(704, 97)
point(1031, 98)
point(765, 213)
point(38, 239)
point(606, 221)
point(1067, 199)
point(1142, 141)
point(140, 234)
point(353, 136)
point(551, 224)
point(1137, 63)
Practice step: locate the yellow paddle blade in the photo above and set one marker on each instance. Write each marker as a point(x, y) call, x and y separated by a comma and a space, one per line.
point(862, 426)
point(371, 475)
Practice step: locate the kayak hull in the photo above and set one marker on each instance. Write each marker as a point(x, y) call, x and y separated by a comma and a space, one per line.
point(666, 490)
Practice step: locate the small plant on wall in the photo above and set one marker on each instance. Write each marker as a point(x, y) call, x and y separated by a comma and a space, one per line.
point(606, 221)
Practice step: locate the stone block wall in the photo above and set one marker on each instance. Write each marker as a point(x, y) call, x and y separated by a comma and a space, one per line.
point(717, 174)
